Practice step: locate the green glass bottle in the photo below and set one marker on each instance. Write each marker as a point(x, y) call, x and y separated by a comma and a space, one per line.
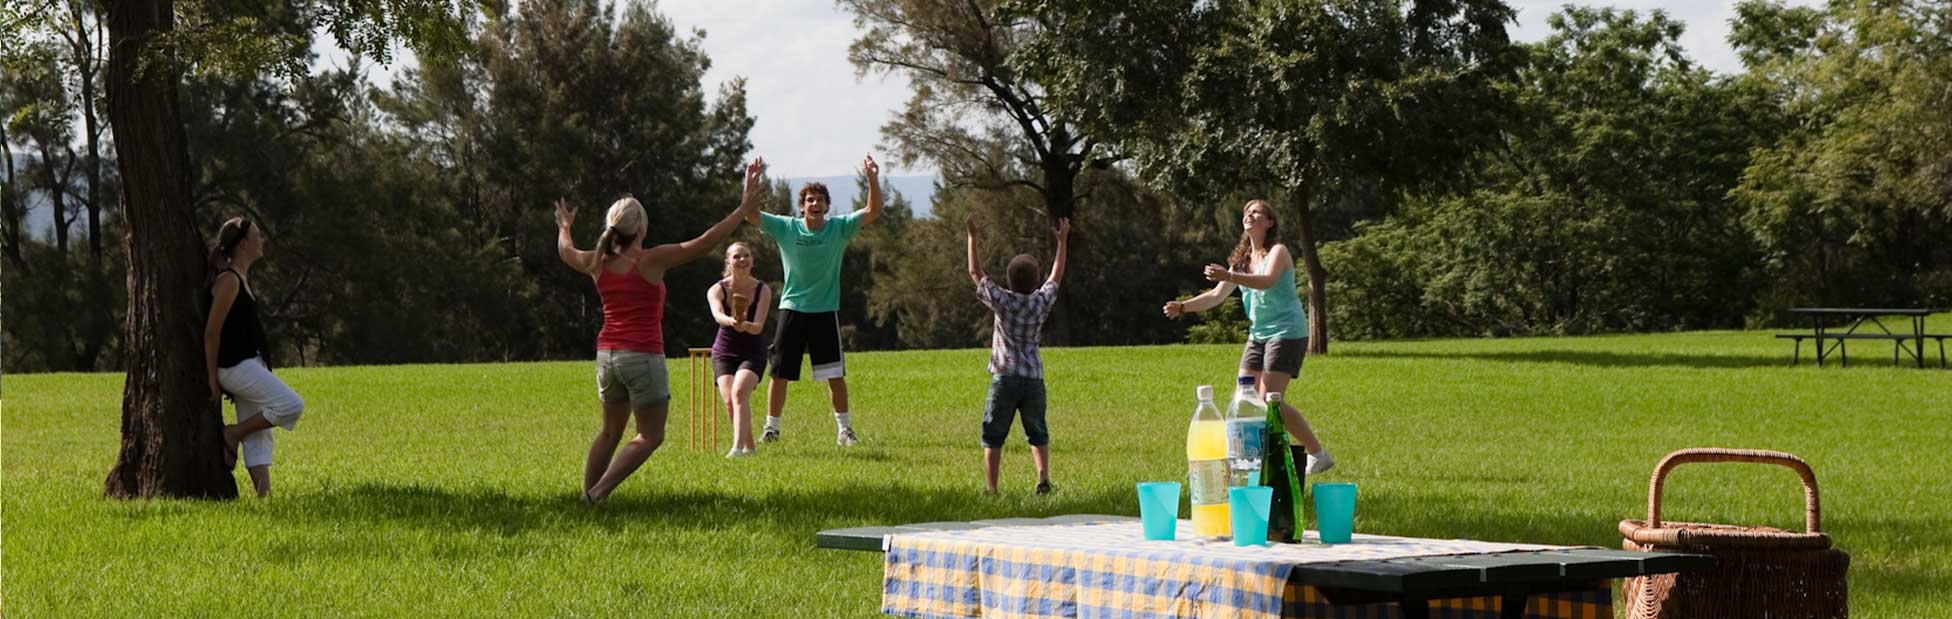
point(1282, 472)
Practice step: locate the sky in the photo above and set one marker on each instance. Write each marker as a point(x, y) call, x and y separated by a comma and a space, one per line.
point(816, 118)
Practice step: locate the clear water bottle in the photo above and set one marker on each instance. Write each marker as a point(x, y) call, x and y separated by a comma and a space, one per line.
point(1206, 468)
point(1245, 426)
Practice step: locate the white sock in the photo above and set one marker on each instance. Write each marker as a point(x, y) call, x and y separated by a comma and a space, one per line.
point(840, 419)
point(772, 422)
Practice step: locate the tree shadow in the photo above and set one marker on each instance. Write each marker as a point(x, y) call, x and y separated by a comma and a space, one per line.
point(1593, 358)
point(788, 517)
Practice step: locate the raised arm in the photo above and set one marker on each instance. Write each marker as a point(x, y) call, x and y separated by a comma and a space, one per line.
point(583, 261)
point(873, 210)
point(975, 265)
point(669, 255)
point(1260, 276)
point(753, 189)
point(223, 293)
point(1063, 250)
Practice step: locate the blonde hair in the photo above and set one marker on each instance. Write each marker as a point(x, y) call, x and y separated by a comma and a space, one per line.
point(621, 226)
point(727, 271)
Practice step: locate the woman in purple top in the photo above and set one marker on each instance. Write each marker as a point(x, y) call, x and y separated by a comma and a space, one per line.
point(739, 303)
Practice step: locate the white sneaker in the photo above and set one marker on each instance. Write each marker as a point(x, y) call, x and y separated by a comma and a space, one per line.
point(1320, 463)
point(846, 438)
point(738, 453)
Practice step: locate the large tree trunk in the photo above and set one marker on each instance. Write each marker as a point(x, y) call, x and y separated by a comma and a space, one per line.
point(1317, 276)
point(10, 209)
point(172, 444)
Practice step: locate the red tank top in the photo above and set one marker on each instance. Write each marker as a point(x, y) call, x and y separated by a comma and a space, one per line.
point(633, 312)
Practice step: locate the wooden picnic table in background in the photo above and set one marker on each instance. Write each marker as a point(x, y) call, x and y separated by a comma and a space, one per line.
point(1830, 340)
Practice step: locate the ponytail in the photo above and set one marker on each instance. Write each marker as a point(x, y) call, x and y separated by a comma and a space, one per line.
point(626, 216)
point(228, 236)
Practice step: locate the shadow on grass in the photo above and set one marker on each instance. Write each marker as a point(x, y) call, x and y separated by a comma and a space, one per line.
point(1594, 358)
point(1885, 551)
point(791, 517)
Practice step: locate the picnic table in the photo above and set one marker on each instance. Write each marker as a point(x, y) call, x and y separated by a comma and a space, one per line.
point(1094, 565)
point(1831, 340)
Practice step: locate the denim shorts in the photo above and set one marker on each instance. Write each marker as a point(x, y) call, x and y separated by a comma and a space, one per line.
point(638, 377)
point(1010, 395)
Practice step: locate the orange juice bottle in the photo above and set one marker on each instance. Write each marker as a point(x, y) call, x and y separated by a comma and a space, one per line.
point(1206, 468)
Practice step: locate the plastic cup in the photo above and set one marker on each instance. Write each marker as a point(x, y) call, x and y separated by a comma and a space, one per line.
point(1249, 505)
point(1159, 508)
point(1335, 512)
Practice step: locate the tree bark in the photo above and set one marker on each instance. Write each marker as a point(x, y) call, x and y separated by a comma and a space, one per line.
point(172, 444)
point(10, 208)
point(1317, 276)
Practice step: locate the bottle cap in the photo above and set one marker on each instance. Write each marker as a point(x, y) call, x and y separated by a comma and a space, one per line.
point(1244, 380)
point(1205, 392)
point(1273, 398)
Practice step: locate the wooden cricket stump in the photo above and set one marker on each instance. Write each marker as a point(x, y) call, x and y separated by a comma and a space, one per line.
point(705, 407)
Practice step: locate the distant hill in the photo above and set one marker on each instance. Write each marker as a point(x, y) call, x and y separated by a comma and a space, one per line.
point(917, 189)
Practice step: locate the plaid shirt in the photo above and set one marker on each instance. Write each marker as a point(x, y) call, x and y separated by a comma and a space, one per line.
point(1019, 320)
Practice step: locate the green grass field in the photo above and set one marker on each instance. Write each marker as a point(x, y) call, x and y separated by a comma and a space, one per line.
point(451, 490)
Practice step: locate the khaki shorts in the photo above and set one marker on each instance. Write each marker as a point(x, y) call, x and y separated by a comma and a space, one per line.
point(638, 377)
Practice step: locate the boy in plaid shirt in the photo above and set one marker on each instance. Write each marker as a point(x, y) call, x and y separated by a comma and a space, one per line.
point(1016, 370)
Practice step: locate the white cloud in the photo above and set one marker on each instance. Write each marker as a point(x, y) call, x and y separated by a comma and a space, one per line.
point(1705, 39)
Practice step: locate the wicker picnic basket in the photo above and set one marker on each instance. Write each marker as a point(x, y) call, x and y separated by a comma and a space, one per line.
point(1759, 571)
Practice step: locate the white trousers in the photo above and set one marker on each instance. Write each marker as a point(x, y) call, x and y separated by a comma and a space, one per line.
point(259, 392)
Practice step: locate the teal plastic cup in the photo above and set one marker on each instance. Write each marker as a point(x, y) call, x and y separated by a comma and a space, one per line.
point(1159, 508)
point(1335, 512)
point(1248, 506)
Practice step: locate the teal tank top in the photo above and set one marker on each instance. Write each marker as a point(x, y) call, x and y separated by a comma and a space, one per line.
point(1276, 313)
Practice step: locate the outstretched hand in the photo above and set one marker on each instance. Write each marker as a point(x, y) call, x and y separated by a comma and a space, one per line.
point(973, 229)
point(565, 214)
point(1217, 273)
point(754, 172)
point(1174, 309)
point(872, 169)
point(1063, 228)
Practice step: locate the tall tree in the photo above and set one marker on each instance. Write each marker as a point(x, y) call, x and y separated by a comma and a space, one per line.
point(1853, 203)
point(973, 114)
point(171, 441)
point(1313, 100)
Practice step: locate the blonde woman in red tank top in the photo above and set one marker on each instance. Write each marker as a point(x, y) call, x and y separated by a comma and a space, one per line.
point(630, 372)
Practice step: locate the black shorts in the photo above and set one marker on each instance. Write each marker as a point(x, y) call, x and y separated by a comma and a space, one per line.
point(815, 335)
point(727, 366)
point(1279, 355)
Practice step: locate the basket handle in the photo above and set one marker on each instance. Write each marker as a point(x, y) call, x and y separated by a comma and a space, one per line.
point(1812, 510)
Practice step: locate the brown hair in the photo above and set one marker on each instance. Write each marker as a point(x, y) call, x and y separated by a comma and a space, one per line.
point(620, 226)
point(1243, 254)
point(813, 188)
point(1022, 274)
point(228, 236)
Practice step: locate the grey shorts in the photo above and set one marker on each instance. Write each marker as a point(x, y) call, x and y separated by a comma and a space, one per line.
point(640, 378)
point(1274, 356)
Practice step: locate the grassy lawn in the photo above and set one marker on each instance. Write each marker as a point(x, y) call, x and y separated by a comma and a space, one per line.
point(451, 490)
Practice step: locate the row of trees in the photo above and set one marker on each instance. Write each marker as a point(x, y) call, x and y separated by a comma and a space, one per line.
point(1442, 179)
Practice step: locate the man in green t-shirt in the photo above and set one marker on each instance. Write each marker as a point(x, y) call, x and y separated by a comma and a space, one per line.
point(810, 251)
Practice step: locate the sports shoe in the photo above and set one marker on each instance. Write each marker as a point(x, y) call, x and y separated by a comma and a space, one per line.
point(1320, 463)
point(739, 453)
point(1044, 487)
point(846, 438)
point(770, 435)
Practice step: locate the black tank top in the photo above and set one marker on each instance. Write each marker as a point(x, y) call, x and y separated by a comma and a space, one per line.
point(242, 336)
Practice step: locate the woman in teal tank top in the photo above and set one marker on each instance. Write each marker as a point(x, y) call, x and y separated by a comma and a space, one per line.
point(1277, 335)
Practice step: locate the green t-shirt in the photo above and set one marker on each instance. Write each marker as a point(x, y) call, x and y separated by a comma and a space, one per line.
point(811, 259)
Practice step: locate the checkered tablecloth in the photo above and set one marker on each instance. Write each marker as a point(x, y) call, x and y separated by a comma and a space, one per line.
point(1095, 571)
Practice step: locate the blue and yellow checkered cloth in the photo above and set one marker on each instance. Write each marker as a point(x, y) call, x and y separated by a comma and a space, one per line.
point(1092, 571)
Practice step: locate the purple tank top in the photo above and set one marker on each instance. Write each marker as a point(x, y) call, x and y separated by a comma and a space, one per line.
point(731, 343)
